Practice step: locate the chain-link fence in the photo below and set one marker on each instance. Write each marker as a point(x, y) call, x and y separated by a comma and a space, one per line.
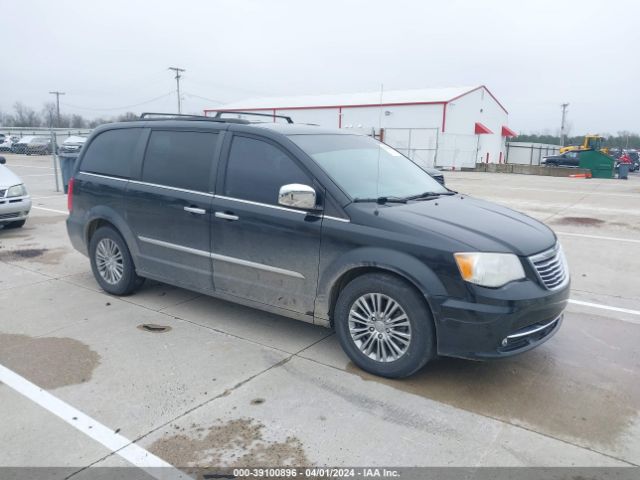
point(419, 144)
point(527, 153)
point(41, 141)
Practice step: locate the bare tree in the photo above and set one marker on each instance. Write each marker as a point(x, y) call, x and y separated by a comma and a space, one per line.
point(98, 121)
point(25, 116)
point(77, 121)
point(127, 116)
point(49, 114)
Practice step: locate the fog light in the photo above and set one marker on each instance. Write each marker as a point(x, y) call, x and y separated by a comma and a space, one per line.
point(504, 342)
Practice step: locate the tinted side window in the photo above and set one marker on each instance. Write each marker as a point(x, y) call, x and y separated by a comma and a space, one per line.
point(180, 159)
point(256, 170)
point(112, 152)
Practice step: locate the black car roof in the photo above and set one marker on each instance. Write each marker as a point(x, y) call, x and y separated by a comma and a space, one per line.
point(258, 127)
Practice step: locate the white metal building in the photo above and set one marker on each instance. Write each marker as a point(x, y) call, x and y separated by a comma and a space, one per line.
point(445, 127)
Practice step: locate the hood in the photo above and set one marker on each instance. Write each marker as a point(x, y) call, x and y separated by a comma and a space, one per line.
point(74, 140)
point(8, 178)
point(482, 226)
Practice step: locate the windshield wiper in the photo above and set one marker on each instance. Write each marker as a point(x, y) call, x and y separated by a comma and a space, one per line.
point(381, 200)
point(429, 195)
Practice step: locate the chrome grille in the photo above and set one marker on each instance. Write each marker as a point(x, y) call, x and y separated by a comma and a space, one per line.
point(551, 267)
point(5, 216)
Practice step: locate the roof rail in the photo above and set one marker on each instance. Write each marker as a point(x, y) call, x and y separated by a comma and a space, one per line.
point(270, 115)
point(183, 116)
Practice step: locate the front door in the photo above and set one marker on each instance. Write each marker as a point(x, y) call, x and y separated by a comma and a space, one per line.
point(169, 208)
point(262, 251)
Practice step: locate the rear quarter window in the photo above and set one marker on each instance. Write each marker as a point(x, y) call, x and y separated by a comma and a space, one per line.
point(112, 152)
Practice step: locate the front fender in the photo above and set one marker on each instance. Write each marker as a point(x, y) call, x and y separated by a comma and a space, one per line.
point(400, 263)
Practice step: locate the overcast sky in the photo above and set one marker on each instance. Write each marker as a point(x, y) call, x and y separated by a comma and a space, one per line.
point(111, 56)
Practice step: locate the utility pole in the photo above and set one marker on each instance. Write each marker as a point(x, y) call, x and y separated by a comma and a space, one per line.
point(57, 94)
point(178, 71)
point(564, 116)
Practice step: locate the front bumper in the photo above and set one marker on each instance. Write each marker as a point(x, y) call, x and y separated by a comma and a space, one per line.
point(501, 322)
point(14, 209)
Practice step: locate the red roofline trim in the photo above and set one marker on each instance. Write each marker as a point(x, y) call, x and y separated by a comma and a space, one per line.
point(316, 107)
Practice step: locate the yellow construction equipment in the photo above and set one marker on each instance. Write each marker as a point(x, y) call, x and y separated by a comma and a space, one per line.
point(590, 142)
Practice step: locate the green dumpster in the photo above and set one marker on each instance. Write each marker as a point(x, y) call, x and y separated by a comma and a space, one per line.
point(601, 165)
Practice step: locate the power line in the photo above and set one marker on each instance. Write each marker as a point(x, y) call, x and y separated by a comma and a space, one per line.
point(57, 94)
point(204, 98)
point(178, 71)
point(123, 107)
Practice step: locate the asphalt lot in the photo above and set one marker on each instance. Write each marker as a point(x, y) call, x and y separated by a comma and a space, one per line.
point(229, 385)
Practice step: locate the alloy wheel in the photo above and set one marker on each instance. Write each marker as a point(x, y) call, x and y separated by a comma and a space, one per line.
point(379, 327)
point(109, 261)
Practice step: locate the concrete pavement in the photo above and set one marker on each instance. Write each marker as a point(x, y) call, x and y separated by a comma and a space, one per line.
point(229, 385)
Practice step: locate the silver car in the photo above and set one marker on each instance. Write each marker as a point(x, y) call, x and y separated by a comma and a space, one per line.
point(15, 202)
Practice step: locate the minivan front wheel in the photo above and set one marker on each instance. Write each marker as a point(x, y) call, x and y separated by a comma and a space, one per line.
point(384, 325)
point(111, 262)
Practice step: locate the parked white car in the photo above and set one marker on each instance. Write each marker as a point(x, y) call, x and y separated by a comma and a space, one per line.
point(15, 202)
point(7, 141)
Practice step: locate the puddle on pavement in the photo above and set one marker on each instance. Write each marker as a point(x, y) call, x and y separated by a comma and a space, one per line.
point(49, 362)
point(583, 384)
point(49, 256)
point(579, 221)
point(236, 443)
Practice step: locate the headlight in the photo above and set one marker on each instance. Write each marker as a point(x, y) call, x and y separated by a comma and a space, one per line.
point(17, 191)
point(489, 269)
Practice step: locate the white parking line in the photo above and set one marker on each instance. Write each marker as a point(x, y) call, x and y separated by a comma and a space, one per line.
point(60, 195)
point(39, 175)
point(50, 210)
point(598, 237)
point(605, 307)
point(28, 166)
point(115, 442)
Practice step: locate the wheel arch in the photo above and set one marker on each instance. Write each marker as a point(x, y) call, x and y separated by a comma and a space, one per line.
point(105, 216)
point(399, 264)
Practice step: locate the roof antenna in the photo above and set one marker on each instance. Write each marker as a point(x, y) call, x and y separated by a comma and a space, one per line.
point(380, 138)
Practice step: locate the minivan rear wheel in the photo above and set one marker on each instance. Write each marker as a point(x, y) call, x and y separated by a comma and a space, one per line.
point(111, 262)
point(384, 325)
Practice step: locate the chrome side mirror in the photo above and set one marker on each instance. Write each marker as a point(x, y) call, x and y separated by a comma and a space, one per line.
point(296, 195)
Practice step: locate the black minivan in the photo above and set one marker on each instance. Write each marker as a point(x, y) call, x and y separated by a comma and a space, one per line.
point(324, 226)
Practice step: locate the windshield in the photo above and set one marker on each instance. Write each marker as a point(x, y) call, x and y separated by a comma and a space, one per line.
point(365, 168)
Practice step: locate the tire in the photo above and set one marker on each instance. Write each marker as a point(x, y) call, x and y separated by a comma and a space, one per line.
point(18, 224)
point(112, 264)
point(395, 359)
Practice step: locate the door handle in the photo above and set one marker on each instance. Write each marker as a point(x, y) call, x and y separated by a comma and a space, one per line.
point(227, 216)
point(199, 211)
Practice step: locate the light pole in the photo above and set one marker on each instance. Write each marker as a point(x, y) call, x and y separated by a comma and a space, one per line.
point(178, 71)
